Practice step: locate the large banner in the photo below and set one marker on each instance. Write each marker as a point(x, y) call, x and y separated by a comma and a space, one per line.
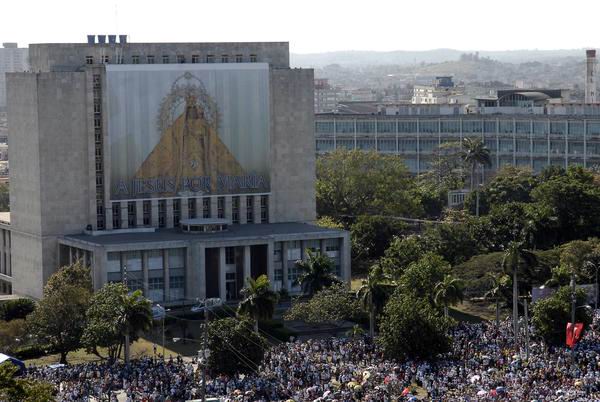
point(188, 129)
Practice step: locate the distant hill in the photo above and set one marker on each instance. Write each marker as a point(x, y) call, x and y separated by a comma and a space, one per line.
point(370, 58)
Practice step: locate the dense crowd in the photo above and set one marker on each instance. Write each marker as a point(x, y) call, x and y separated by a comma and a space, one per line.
point(482, 366)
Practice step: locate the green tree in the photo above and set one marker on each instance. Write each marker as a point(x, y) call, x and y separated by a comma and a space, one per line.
point(60, 317)
point(453, 240)
point(316, 272)
point(421, 277)
point(335, 303)
point(475, 154)
point(551, 315)
point(234, 347)
point(412, 328)
point(371, 236)
point(329, 222)
point(401, 253)
point(353, 183)
point(499, 284)
point(12, 335)
point(504, 223)
point(15, 389)
point(448, 292)
point(374, 293)
point(16, 309)
point(113, 314)
point(516, 258)
point(259, 300)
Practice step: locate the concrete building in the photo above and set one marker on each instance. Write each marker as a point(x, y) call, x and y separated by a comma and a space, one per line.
point(326, 96)
point(183, 168)
point(12, 59)
point(441, 91)
point(530, 135)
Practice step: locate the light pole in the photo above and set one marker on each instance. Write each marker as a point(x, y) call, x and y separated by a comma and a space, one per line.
point(208, 304)
point(164, 315)
point(125, 282)
point(573, 308)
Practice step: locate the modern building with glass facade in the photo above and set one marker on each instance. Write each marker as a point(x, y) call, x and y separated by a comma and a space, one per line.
point(180, 168)
point(563, 138)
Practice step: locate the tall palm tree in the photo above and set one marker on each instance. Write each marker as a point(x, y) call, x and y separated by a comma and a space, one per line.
point(448, 292)
point(499, 283)
point(374, 292)
point(474, 154)
point(136, 316)
point(317, 273)
point(517, 258)
point(259, 300)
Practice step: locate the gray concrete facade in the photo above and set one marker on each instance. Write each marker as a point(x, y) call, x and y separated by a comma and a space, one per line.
point(60, 167)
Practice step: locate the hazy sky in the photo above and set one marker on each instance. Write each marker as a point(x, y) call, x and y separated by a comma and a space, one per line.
point(314, 26)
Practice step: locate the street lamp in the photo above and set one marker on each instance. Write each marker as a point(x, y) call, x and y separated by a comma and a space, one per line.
point(164, 314)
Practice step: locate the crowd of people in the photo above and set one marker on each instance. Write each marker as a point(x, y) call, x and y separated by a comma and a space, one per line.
point(482, 366)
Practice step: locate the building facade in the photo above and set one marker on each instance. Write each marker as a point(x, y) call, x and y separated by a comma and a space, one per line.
point(533, 141)
point(12, 59)
point(181, 168)
point(326, 96)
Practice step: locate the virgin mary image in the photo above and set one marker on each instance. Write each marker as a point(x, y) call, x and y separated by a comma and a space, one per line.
point(189, 145)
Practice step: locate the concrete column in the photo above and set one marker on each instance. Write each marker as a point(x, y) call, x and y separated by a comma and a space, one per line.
point(345, 264)
point(228, 204)
point(166, 274)
point(247, 264)
point(270, 263)
point(70, 256)
point(169, 214)
point(243, 209)
point(189, 275)
point(99, 271)
point(322, 247)
point(222, 276)
point(145, 272)
point(257, 209)
point(284, 265)
point(214, 206)
point(154, 204)
point(139, 213)
point(124, 215)
point(200, 261)
point(185, 209)
point(108, 216)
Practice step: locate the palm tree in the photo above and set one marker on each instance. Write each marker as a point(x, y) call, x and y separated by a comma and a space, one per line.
point(136, 316)
point(499, 283)
point(259, 300)
point(317, 273)
point(448, 292)
point(475, 154)
point(515, 258)
point(374, 292)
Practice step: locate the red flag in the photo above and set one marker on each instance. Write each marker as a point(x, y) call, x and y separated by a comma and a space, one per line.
point(574, 333)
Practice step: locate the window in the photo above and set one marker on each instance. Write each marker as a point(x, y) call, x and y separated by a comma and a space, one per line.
point(206, 208)
point(105, 59)
point(89, 59)
point(221, 207)
point(116, 211)
point(250, 209)
point(147, 209)
point(192, 208)
point(210, 58)
point(135, 59)
point(235, 210)
point(162, 212)
point(150, 59)
point(239, 58)
point(224, 58)
point(253, 58)
point(165, 59)
point(131, 214)
point(229, 255)
point(264, 209)
point(180, 59)
point(176, 212)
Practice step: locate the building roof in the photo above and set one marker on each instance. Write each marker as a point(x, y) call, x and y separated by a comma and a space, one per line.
point(266, 231)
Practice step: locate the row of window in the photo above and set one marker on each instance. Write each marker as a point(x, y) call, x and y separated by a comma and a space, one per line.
point(573, 128)
point(196, 207)
point(99, 160)
point(179, 59)
point(411, 145)
point(295, 253)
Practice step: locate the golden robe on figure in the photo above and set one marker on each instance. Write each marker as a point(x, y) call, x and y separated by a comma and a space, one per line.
point(190, 147)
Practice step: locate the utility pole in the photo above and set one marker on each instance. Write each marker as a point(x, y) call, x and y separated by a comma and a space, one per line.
point(208, 303)
point(125, 282)
point(526, 328)
point(573, 307)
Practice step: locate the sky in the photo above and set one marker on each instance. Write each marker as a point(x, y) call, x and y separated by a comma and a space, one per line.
point(313, 26)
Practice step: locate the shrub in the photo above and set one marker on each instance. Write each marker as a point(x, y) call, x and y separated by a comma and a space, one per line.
point(16, 309)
